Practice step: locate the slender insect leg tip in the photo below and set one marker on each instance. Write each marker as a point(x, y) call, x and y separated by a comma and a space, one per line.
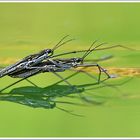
point(103, 70)
point(113, 76)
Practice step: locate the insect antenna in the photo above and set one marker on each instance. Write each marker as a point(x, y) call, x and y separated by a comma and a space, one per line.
point(91, 50)
point(60, 43)
point(88, 51)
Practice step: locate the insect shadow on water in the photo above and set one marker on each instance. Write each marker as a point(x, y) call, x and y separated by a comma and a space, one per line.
point(37, 97)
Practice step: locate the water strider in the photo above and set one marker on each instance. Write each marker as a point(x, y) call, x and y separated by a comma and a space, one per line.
point(32, 59)
point(44, 62)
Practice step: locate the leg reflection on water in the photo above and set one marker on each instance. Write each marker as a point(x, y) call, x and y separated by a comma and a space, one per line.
point(47, 97)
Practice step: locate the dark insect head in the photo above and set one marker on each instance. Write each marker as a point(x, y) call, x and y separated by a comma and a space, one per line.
point(76, 60)
point(47, 52)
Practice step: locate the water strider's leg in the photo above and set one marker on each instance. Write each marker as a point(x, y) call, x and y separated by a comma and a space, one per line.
point(31, 82)
point(62, 79)
point(99, 68)
point(90, 75)
point(102, 81)
point(98, 49)
point(66, 78)
point(12, 84)
point(54, 74)
point(70, 112)
point(18, 82)
point(25, 78)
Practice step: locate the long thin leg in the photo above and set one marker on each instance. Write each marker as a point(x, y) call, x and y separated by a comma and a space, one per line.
point(90, 76)
point(70, 112)
point(66, 78)
point(102, 81)
point(85, 73)
point(16, 83)
point(80, 65)
point(12, 84)
point(73, 52)
point(100, 59)
point(31, 82)
point(99, 67)
point(62, 78)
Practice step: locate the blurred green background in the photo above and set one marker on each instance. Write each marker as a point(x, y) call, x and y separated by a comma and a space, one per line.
point(26, 28)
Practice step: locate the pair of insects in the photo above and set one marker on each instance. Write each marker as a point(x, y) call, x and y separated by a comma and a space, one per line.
point(47, 61)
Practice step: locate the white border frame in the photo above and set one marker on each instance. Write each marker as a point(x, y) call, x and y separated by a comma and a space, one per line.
point(69, 1)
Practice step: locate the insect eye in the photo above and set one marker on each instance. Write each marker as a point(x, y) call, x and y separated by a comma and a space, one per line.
point(78, 60)
point(48, 51)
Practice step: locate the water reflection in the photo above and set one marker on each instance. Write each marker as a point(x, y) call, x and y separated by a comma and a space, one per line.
point(38, 97)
